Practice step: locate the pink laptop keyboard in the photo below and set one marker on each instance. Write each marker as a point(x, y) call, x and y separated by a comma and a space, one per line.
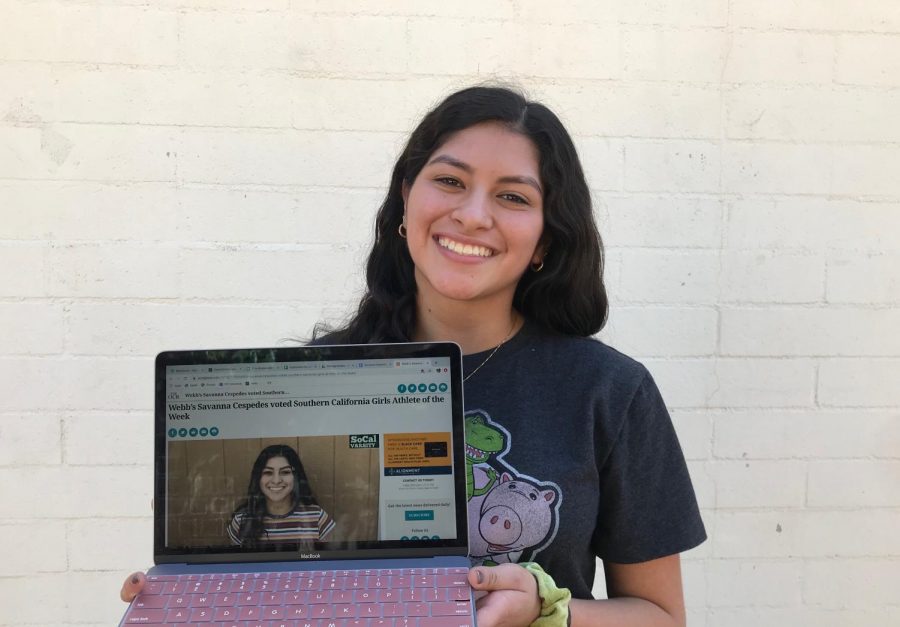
point(405, 597)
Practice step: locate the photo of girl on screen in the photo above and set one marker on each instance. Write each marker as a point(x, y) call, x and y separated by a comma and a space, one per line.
point(280, 506)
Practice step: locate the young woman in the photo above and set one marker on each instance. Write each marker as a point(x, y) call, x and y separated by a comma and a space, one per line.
point(487, 238)
point(280, 506)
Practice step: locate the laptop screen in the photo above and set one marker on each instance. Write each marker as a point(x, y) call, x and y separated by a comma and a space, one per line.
point(320, 452)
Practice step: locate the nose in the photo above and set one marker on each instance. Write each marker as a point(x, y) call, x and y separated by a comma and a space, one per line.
point(474, 211)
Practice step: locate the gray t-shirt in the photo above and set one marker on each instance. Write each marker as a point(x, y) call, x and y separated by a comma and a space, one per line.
point(571, 454)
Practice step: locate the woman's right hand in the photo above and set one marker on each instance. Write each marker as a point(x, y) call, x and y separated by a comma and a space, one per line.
point(132, 586)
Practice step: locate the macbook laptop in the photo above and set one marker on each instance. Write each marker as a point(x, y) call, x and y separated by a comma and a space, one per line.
point(319, 486)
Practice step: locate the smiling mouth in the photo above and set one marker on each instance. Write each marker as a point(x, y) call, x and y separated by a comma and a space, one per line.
point(467, 250)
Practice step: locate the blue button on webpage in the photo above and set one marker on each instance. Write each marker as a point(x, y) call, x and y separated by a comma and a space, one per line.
point(419, 514)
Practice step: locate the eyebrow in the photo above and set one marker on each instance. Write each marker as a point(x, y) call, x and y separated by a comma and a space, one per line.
point(465, 167)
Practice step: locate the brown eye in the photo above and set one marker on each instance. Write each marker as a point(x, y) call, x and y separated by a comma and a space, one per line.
point(519, 200)
point(449, 180)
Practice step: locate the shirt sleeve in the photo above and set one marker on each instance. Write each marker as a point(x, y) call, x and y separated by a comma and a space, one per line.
point(647, 504)
point(326, 524)
point(233, 528)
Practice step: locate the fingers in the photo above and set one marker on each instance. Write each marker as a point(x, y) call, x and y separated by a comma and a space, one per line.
point(132, 586)
point(502, 577)
point(511, 597)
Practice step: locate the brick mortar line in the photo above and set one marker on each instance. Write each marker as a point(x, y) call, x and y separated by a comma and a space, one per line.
point(412, 76)
point(245, 186)
point(366, 76)
point(603, 194)
point(515, 17)
point(720, 141)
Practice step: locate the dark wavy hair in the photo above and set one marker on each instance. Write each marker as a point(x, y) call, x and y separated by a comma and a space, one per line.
point(254, 508)
point(567, 296)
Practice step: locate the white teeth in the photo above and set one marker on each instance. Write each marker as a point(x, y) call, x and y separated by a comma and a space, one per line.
point(464, 249)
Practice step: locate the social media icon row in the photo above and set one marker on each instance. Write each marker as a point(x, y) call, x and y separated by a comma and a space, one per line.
point(420, 537)
point(412, 388)
point(193, 432)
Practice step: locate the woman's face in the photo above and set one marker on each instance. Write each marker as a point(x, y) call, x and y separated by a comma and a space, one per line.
point(474, 215)
point(277, 481)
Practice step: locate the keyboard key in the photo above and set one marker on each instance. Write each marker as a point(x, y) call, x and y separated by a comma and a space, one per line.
point(201, 600)
point(370, 610)
point(345, 611)
point(201, 615)
point(295, 612)
point(296, 598)
point(413, 595)
point(224, 600)
point(174, 587)
point(272, 598)
point(150, 602)
point(138, 616)
point(225, 613)
point(153, 587)
point(392, 609)
point(456, 608)
point(272, 613)
point(424, 581)
point(433, 595)
point(416, 609)
point(178, 616)
point(459, 594)
point(321, 611)
point(249, 613)
point(451, 581)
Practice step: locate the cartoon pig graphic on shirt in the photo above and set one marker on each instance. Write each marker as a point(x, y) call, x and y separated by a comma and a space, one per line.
point(515, 515)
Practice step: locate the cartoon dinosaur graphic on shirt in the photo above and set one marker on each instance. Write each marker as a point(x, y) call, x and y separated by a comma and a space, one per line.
point(482, 442)
point(511, 515)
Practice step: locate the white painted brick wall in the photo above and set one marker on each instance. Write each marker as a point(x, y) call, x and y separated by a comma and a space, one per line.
point(747, 582)
point(863, 278)
point(786, 58)
point(205, 173)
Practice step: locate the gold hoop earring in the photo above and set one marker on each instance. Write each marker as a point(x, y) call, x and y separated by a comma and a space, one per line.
point(538, 267)
point(402, 230)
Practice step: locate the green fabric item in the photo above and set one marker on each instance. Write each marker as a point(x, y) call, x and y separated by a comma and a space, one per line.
point(554, 601)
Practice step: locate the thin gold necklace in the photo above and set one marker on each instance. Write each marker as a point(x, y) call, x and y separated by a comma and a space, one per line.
point(493, 352)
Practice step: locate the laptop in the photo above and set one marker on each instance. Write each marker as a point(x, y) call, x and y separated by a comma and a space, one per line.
point(315, 486)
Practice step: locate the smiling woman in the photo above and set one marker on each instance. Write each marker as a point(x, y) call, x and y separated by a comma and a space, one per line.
point(280, 506)
point(486, 237)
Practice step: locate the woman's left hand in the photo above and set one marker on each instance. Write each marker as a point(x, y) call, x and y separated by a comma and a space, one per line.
point(511, 598)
